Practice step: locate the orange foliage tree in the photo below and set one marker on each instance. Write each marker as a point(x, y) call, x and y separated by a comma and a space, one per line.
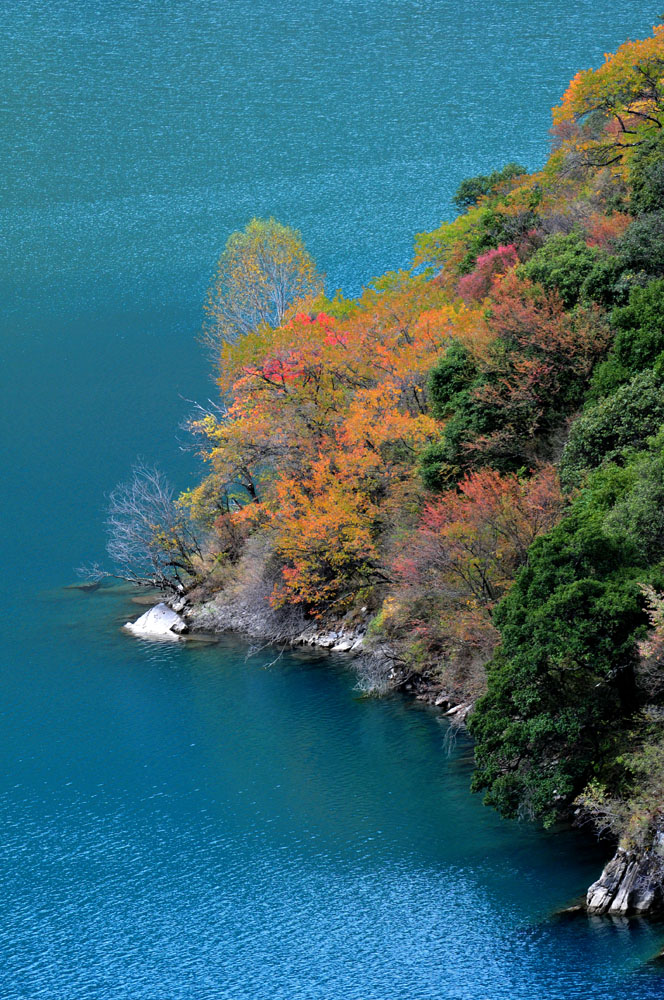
point(604, 113)
point(321, 425)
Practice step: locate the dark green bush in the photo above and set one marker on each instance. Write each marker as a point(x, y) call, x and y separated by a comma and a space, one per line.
point(639, 514)
point(639, 339)
point(436, 471)
point(641, 247)
point(605, 283)
point(564, 263)
point(646, 176)
point(624, 420)
point(453, 373)
point(561, 690)
point(472, 189)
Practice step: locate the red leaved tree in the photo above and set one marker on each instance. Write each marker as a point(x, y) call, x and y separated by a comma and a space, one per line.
point(463, 556)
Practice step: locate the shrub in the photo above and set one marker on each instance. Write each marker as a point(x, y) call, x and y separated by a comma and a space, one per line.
point(563, 263)
point(472, 189)
point(641, 248)
point(618, 422)
point(639, 341)
point(605, 283)
point(638, 515)
point(453, 373)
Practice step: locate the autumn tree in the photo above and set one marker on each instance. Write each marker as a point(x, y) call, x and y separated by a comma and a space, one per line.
point(606, 113)
point(319, 429)
point(517, 389)
point(462, 557)
point(262, 270)
point(477, 284)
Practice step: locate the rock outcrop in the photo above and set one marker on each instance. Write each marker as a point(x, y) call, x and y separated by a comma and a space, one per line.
point(160, 622)
point(338, 641)
point(630, 883)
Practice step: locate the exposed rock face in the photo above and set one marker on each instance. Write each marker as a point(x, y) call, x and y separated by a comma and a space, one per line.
point(341, 641)
point(630, 883)
point(160, 622)
point(228, 612)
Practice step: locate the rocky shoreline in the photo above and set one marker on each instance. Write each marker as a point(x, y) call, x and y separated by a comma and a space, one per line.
point(631, 882)
point(375, 663)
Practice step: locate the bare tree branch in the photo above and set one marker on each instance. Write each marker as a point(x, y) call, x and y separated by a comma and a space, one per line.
point(150, 538)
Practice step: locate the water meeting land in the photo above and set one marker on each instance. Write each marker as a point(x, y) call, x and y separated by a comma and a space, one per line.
point(179, 821)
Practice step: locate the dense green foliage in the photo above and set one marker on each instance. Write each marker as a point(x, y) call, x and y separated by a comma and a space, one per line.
point(564, 263)
point(449, 378)
point(562, 688)
point(641, 248)
point(639, 340)
point(614, 424)
point(472, 189)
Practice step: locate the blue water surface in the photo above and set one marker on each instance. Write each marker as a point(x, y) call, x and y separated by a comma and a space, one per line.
point(183, 821)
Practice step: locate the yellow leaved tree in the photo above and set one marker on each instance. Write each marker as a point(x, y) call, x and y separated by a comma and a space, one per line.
point(261, 272)
point(606, 112)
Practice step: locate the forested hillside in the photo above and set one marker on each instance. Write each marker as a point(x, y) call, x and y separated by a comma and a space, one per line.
point(471, 455)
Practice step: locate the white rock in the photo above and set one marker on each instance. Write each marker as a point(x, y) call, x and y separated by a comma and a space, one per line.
point(160, 622)
point(343, 645)
point(325, 640)
point(602, 892)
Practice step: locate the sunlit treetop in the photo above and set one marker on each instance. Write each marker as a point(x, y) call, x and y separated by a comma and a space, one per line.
point(263, 271)
point(607, 111)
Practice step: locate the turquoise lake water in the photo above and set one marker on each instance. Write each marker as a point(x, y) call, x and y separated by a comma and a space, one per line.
point(184, 823)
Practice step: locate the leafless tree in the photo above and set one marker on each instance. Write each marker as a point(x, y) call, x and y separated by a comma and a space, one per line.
point(151, 541)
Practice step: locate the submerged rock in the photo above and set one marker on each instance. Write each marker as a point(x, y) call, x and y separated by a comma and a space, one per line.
point(160, 622)
point(630, 883)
